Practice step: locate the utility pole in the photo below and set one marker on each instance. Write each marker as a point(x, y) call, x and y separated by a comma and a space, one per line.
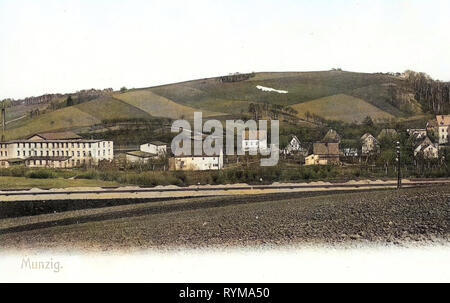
point(399, 174)
point(3, 123)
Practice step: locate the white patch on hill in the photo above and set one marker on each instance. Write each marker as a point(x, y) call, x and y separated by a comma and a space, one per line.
point(268, 89)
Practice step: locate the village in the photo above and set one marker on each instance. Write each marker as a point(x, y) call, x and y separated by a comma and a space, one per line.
point(70, 150)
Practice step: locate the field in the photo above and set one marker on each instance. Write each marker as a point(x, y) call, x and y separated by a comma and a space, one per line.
point(388, 216)
point(62, 119)
point(108, 108)
point(342, 108)
point(25, 183)
point(159, 106)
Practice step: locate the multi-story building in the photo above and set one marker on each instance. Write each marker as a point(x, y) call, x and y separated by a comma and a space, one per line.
point(443, 122)
point(64, 149)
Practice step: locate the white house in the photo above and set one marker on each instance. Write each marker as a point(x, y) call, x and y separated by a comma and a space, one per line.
point(202, 162)
point(369, 144)
point(155, 147)
point(428, 151)
point(59, 150)
point(254, 141)
point(443, 122)
point(139, 156)
point(294, 146)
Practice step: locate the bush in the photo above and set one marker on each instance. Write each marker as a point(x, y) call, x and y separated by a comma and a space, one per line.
point(40, 174)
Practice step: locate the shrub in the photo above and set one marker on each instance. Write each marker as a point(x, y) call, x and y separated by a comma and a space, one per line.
point(40, 174)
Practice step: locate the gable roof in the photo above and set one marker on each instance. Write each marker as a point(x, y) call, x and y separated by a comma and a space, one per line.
point(57, 136)
point(367, 135)
point(332, 137)
point(326, 148)
point(425, 142)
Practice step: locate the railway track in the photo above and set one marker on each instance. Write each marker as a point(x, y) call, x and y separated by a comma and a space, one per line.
point(201, 190)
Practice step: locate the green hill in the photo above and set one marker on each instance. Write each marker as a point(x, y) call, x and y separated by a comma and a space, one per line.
point(345, 96)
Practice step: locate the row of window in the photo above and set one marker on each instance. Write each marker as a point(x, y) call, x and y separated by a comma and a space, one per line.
point(51, 162)
point(58, 153)
point(56, 144)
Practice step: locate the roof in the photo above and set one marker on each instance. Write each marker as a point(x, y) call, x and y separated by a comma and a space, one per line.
point(254, 134)
point(367, 135)
point(326, 148)
point(443, 120)
point(141, 154)
point(157, 143)
point(57, 136)
point(425, 142)
point(332, 137)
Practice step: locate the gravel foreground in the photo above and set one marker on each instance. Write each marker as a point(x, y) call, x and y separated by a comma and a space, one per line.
point(387, 217)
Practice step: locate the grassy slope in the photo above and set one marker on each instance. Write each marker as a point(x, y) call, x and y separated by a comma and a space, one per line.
point(214, 98)
point(66, 118)
point(158, 106)
point(106, 108)
point(303, 87)
point(342, 107)
point(81, 115)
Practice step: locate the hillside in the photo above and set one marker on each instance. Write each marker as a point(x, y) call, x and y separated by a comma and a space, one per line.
point(334, 95)
point(342, 107)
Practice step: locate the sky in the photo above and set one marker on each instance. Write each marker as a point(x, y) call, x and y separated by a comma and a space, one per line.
point(61, 46)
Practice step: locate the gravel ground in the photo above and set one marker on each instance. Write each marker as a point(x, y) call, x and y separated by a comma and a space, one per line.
point(418, 215)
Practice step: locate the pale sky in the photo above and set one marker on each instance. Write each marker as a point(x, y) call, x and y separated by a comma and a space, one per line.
point(64, 46)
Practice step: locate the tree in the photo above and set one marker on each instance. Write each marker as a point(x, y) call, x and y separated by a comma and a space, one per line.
point(123, 89)
point(368, 121)
point(69, 101)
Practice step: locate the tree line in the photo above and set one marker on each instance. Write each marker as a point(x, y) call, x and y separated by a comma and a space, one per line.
point(434, 95)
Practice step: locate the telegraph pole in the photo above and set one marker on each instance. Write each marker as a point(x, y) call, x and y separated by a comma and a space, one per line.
point(399, 174)
point(3, 122)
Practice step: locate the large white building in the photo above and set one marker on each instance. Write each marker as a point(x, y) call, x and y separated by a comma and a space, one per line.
point(60, 150)
point(443, 122)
